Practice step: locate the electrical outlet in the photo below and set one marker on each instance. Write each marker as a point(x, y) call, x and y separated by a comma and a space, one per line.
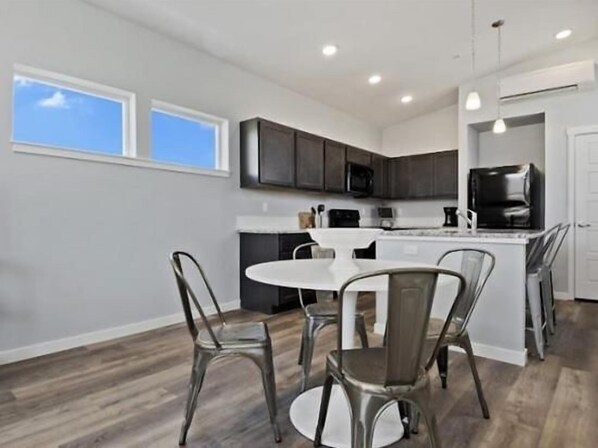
point(265, 207)
point(410, 250)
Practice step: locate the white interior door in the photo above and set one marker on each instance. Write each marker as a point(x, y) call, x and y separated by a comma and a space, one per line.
point(586, 216)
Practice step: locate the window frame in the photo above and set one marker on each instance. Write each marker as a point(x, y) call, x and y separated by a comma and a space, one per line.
point(221, 156)
point(85, 87)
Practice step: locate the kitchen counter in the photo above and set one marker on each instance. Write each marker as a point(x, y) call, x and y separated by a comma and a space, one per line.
point(273, 230)
point(497, 326)
point(502, 236)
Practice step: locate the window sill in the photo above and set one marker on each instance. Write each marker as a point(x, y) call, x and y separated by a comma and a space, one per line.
point(117, 160)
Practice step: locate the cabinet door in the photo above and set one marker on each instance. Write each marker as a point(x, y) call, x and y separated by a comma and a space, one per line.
point(277, 154)
point(399, 178)
point(334, 167)
point(359, 156)
point(446, 174)
point(309, 158)
point(421, 176)
point(380, 167)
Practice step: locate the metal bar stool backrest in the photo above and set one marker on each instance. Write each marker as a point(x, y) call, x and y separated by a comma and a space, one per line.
point(316, 252)
point(476, 266)
point(558, 242)
point(188, 295)
point(410, 296)
point(542, 247)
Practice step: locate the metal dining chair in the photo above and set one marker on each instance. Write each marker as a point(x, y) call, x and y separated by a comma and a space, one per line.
point(547, 283)
point(375, 378)
point(536, 300)
point(476, 265)
point(248, 340)
point(318, 315)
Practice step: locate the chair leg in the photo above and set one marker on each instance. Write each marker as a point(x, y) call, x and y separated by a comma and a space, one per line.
point(364, 413)
point(553, 301)
point(303, 337)
point(360, 327)
point(269, 382)
point(422, 400)
point(200, 365)
point(325, 401)
point(535, 305)
point(405, 413)
point(442, 363)
point(309, 342)
point(465, 344)
point(548, 302)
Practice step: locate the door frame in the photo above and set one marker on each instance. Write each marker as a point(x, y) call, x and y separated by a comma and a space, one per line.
point(572, 133)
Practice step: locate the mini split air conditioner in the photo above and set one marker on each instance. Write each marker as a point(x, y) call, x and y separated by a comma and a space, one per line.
point(568, 77)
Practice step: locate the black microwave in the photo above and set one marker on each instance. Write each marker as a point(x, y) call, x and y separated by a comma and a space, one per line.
point(359, 180)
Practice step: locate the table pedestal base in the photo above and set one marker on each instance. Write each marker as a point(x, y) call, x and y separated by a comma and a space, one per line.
point(337, 431)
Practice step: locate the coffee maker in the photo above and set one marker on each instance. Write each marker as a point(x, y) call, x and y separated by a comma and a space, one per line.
point(450, 217)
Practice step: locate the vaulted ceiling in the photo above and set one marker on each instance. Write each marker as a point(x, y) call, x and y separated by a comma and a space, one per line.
point(419, 47)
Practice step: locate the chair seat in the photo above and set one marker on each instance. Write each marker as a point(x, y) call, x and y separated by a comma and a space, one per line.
point(435, 327)
point(236, 335)
point(366, 368)
point(327, 309)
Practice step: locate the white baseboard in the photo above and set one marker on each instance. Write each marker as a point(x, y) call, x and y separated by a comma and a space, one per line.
point(519, 358)
point(58, 345)
point(560, 295)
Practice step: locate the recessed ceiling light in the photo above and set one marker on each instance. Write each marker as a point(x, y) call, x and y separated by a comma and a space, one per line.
point(374, 79)
point(564, 34)
point(406, 99)
point(329, 50)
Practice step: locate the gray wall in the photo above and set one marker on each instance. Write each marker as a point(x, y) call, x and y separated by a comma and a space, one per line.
point(84, 245)
point(522, 144)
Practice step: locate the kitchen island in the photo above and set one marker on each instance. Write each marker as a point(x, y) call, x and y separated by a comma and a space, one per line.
point(497, 326)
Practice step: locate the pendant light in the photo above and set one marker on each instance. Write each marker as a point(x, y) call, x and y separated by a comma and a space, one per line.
point(499, 125)
point(473, 101)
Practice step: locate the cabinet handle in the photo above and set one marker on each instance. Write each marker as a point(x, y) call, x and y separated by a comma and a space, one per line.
point(583, 225)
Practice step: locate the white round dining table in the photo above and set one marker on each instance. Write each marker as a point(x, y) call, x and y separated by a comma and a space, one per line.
point(316, 274)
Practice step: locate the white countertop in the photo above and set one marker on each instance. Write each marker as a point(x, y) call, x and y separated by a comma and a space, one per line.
point(273, 230)
point(505, 236)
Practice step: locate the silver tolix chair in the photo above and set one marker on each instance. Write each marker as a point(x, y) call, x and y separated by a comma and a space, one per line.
point(476, 265)
point(547, 283)
point(249, 340)
point(538, 306)
point(375, 378)
point(318, 315)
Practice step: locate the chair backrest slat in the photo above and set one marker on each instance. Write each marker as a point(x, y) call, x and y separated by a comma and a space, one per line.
point(188, 295)
point(410, 297)
point(476, 267)
point(558, 242)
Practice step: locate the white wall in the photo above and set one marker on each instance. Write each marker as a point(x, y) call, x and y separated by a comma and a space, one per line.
point(562, 111)
point(84, 244)
point(522, 144)
point(436, 131)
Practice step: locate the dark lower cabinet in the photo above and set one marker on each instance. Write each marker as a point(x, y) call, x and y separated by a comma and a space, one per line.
point(334, 167)
point(260, 248)
point(309, 161)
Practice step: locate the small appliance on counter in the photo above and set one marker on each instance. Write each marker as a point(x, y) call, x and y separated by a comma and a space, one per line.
point(450, 217)
point(387, 217)
point(338, 217)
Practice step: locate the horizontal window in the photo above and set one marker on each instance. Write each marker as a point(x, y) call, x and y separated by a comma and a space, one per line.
point(61, 112)
point(186, 137)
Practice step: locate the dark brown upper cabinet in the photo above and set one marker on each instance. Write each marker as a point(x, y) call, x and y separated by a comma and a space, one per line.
point(267, 154)
point(399, 178)
point(421, 176)
point(380, 167)
point(334, 166)
point(359, 156)
point(446, 168)
point(309, 161)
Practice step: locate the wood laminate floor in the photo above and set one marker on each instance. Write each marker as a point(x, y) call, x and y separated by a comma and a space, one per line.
point(131, 393)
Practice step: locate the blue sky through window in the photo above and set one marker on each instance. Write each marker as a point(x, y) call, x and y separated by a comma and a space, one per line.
point(183, 141)
point(48, 115)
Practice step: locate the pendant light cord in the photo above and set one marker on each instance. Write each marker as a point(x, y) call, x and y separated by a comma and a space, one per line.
point(473, 37)
point(498, 26)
